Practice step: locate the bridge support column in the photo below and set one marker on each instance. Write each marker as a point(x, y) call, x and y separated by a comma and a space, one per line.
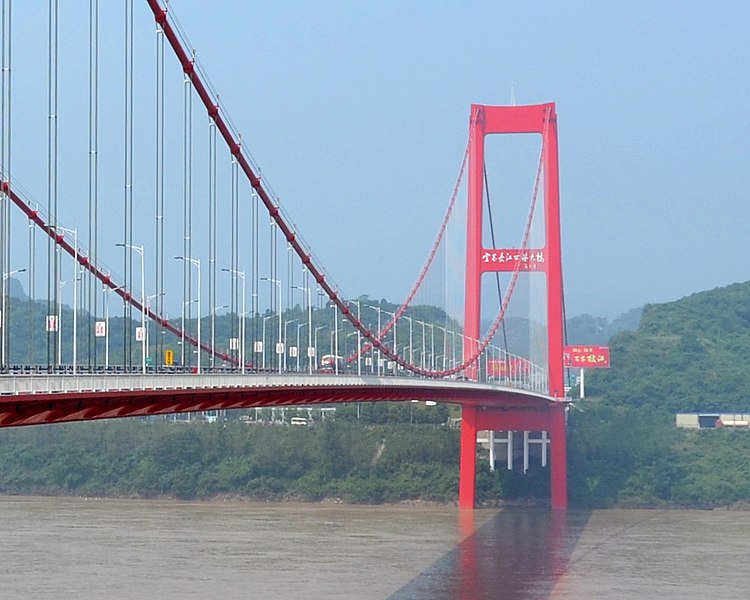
point(559, 467)
point(468, 464)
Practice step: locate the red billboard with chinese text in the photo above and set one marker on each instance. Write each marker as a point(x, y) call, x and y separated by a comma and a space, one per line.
point(586, 357)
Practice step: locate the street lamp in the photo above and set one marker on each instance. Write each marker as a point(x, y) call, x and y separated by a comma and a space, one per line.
point(74, 233)
point(395, 348)
point(213, 333)
point(59, 312)
point(286, 337)
point(263, 344)
point(4, 310)
point(380, 356)
point(279, 345)
point(197, 264)
point(359, 337)
point(241, 274)
point(424, 343)
point(146, 308)
point(315, 337)
point(300, 326)
point(411, 339)
point(105, 293)
point(309, 325)
point(139, 250)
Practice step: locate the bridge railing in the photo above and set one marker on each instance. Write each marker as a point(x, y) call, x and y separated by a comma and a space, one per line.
point(503, 371)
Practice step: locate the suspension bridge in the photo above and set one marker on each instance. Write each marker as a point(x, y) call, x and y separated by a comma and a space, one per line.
point(217, 302)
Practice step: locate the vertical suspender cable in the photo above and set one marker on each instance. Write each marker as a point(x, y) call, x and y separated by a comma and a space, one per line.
point(128, 180)
point(159, 246)
point(212, 235)
point(254, 227)
point(234, 258)
point(187, 212)
point(53, 275)
point(93, 242)
point(5, 158)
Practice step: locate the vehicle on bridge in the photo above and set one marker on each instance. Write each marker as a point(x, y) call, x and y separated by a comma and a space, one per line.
point(330, 363)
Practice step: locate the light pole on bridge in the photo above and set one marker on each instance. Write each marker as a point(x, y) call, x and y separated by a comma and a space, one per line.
point(241, 274)
point(197, 264)
point(309, 325)
point(315, 338)
point(139, 250)
point(279, 343)
point(4, 310)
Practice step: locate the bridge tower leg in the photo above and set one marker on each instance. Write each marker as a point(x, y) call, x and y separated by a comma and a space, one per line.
point(468, 458)
point(488, 120)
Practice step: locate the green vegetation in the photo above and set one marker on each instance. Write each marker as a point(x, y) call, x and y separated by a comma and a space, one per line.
point(624, 448)
point(686, 356)
point(131, 457)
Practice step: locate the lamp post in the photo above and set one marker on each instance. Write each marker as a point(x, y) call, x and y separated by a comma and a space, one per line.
point(359, 337)
point(445, 346)
point(432, 345)
point(213, 333)
point(315, 337)
point(241, 274)
point(105, 293)
point(3, 320)
point(411, 339)
point(74, 233)
point(300, 326)
point(146, 309)
point(197, 264)
point(380, 356)
point(424, 344)
point(395, 348)
point(263, 358)
point(278, 304)
point(309, 325)
point(59, 312)
point(335, 334)
point(139, 250)
point(286, 337)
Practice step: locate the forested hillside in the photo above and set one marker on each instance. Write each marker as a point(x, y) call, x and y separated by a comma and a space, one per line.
point(686, 356)
point(624, 448)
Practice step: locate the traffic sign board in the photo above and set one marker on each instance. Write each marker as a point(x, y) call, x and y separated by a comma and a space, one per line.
point(169, 357)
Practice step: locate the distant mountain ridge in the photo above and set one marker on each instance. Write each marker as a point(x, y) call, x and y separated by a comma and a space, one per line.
point(688, 355)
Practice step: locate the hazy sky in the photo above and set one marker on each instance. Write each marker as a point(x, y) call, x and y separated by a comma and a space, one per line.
point(363, 107)
point(358, 113)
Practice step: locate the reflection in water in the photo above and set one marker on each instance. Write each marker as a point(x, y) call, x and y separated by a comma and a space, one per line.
point(520, 553)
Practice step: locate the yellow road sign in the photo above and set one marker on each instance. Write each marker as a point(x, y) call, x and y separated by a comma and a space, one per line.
point(169, 357)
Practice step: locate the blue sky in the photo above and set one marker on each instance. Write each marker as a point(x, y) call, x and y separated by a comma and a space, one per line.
point(361, 109)
point(358, 113)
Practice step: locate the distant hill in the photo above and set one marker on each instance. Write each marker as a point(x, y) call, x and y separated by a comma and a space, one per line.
point(688, 355)
point(585, 329)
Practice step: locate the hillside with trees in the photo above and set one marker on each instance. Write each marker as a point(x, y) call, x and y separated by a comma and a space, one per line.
point(686, 356)
point(624, 449)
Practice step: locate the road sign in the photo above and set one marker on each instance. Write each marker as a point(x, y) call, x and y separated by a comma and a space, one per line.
point(279, 347)
point(51, 322)
point(169, 357)
point(293, 351)
point(234, 343)
point(100, 329)
point(586, 357)
point(311, 352)
point(140, 334)
point(258, 347)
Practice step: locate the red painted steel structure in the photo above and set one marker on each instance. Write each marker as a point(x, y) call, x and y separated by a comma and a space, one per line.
point(484, 121)
point(494, 409)
point(85, 405)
